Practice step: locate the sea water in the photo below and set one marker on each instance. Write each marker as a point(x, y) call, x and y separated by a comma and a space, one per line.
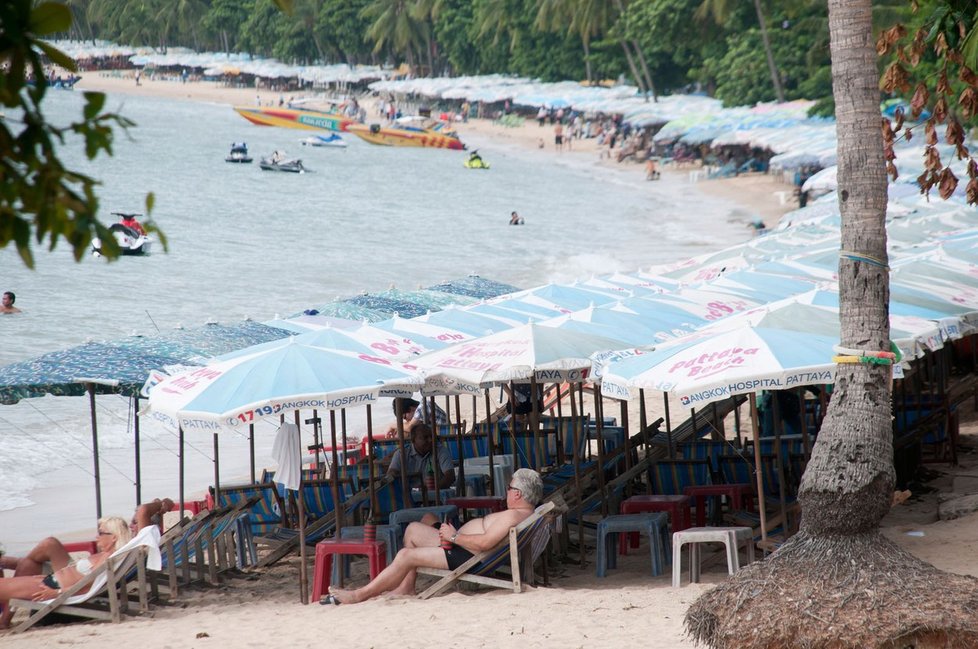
point(244, 243)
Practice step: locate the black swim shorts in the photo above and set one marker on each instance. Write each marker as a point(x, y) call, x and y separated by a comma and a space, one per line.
point(456, 556)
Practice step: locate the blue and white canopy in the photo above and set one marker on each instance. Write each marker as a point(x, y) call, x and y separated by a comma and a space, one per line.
point(232, 394)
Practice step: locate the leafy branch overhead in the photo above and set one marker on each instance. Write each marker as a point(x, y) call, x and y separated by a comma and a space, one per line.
point(945, 46)
point(40, 198)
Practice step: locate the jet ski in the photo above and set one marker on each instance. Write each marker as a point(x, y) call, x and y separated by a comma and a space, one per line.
point(130, 241)
point(239, 153)
point(475, 161)
point(278, 162)
point(332, 140)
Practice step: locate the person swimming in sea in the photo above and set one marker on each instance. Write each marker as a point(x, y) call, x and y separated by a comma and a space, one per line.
point(515, 219)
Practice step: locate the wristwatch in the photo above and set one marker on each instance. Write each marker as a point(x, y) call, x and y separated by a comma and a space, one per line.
point(454, 536)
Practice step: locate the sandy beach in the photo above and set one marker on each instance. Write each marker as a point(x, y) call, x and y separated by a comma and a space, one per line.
point(576, 609)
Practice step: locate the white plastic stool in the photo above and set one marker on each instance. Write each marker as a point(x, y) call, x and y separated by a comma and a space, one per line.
point(729, 536)
point(782, 196)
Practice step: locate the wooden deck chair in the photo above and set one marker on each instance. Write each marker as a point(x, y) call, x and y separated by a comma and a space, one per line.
point(103, 594)
point(531, 534)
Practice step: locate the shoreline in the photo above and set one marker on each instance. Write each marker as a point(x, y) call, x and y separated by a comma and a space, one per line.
point(753, 194)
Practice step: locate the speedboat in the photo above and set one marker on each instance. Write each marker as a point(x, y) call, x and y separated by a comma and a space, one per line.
point(239, 153)
point(130, 241)
point(277, 162)
point(435, 135)
point(294, 118)
point(332, 140)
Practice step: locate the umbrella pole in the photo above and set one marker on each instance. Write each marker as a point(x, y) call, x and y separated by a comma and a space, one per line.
point(460, 484)
point(580, 405)
point(316, 424)
point(300, 499)
point(779, 458)
point(370, 465)
point(535, 424)
point(217, 469)
point(139, 474)
point(624, 425)
point(576, 434)
point(399, 415)
point(334, 474)
point(560, 428)
point(665, 403)
point(758, 474)
point(643, 420)
point(98, 475)
point(181, 471)
point(433, 454)
point(599, 429)
point(737, 431)
point(251, 449)
point(343, 436)
point(490, 435)
point(512, 425)
point(806, 444)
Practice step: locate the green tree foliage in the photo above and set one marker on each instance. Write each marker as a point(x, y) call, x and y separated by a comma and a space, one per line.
point(41, 200)
point(341, 27)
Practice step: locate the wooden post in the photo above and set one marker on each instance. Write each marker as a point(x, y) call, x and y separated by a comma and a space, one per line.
point(490, 442)
point(136, 440)
point(251, 448)
point(334, 474)
point(665, 402)
point(217, 471)
point(576, 432)
point(460, 478)
point(599, 429)
point(758, 473)
point(98, 474)
point(300, 499)
point(399, 415)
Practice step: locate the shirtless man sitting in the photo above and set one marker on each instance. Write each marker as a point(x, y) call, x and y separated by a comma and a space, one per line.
point(422, 543)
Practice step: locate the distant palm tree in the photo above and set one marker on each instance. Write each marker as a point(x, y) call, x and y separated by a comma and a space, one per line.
point(393, 27)
point(587, 19)
point(498, 17)
point(721, 10)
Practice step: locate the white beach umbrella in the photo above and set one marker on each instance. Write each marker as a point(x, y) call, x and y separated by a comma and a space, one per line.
point(519, 354)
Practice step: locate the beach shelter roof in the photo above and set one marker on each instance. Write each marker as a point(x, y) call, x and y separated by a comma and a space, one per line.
point(517, 354)
point(474, 286)
point(127, 361)
point(60, 373)
point(233, 393)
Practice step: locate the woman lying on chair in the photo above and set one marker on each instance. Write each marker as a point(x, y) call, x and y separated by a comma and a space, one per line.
point(28, 583)
point(431, 545)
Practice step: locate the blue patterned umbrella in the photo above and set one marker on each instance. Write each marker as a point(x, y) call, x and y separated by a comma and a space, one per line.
point(474, 286)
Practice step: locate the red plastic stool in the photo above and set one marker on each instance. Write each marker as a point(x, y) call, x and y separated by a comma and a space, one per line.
point(376, 552)
point(676, 506)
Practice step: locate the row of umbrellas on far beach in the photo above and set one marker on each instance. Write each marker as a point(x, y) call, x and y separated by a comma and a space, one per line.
point(759, 315)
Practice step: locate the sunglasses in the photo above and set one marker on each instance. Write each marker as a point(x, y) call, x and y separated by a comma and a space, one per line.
point(104, 533)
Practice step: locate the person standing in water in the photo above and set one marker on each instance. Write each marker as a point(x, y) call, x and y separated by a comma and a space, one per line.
point(515, 219)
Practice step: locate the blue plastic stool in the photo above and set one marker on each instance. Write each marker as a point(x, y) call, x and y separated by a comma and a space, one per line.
point(655, 525)
point(389, 534)
point(414, 514)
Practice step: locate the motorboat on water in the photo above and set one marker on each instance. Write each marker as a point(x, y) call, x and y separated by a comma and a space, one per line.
point(431, 134)
point(332, 141)
point(295, 118)
point(128, 235)
point(239, 153)
point(278, 162)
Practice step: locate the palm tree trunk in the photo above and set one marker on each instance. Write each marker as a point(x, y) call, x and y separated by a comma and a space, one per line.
point(635, 74)
point(775, 77)
point(848, 485)
point(645, 70)
point(587, 60)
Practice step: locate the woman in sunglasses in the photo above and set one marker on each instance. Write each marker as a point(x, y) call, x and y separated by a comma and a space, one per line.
point(28, 583)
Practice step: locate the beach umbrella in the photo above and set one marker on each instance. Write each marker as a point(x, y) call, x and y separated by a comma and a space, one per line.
point(230, 394)
point(710, 366)
point(518, 354)
point(365, 339)
point(465, 320)
point(435, 336)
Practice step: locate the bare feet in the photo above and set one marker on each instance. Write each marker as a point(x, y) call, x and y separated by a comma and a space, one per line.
point(344, 596)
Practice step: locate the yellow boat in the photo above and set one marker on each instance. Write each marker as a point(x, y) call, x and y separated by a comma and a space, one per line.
point(293, 118)
point(406, 136)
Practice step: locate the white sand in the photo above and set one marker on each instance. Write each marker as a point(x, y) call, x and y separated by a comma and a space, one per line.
point(577, 610)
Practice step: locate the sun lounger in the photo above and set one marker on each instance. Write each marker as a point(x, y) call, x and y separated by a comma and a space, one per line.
point(525, 542)
point(103, 593)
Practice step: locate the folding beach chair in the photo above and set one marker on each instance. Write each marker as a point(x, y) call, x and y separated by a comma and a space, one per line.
point(103, 594)
point(526, 541)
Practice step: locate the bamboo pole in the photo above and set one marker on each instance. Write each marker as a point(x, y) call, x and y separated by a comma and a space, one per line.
point(758, 474)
